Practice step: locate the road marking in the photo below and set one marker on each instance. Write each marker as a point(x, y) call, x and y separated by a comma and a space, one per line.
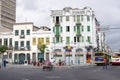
point(52, 77)
point(96, 70)
point(25, 79)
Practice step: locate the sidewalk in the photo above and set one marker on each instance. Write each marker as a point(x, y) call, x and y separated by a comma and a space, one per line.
point(31, 66)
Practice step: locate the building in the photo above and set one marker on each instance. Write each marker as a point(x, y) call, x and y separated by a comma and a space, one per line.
point(6, 38)
point(75, 28)
point(7, 13)
point(26, 39)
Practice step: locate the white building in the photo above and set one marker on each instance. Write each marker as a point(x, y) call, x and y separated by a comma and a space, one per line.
point(26, 40)
point(6, 38)
point(76, 28)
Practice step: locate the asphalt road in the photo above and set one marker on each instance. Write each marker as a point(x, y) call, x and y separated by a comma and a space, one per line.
point(66, 73)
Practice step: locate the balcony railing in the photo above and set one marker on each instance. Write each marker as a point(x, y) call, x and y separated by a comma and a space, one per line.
point(57, 24)
point(22, 48)
point(22, 36)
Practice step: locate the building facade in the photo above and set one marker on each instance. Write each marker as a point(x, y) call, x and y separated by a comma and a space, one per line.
point(75, 28)
point(7, 13)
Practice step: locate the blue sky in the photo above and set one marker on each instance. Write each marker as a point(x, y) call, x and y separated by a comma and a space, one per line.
point(106, 11)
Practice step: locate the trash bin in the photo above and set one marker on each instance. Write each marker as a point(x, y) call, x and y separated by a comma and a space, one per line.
point(25, 62)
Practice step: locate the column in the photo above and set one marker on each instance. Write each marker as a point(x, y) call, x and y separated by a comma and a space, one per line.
point(84, 55)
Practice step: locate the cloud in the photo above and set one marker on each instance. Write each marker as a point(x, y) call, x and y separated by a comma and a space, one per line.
point(106, 11)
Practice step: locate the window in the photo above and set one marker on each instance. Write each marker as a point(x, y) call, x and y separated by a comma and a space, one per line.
point(78, 18)
point(40, 41)
point(47, 41)
point(57, 39)
point(67, 18)
point(10, 42)
point(5, 42)
point(88, 18)
point(10, 55)
point(81, 17)
point(78, 39)
point(67, 28)
point(88, 28)
point(89, 39)
point(54, 29)
point(82, 28)
point(28, 45)
point(28, 32)
point(74, 39)
point(16, 44)
point(22, 32)
point(60, 18)
point(22, 43)
point(16, 32)
point(53, 39)
point(82, 38)
point(67, 39)
point(74, 18)
point(57, 19)
point(74, 28)
point(34, 41)
point(53, 19)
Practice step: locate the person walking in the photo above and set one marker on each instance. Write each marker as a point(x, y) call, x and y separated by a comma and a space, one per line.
point(105, 64)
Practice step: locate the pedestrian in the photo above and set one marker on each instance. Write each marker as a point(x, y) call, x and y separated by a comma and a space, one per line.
point(105, 63)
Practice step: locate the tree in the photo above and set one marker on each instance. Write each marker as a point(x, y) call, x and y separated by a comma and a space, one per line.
point(3, 49)
point(42, 48)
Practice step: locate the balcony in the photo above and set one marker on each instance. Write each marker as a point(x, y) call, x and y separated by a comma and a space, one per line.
point(78, 35)
point(78, 24)
point(22, 36)
point(10, 47)
point(57, 24)
point(22, 48)
point(57, 35)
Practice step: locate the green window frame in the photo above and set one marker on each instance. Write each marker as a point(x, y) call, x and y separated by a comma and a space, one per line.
point(88, 28)
point(57, 39)
point(54, 29)
point(57, 30)
point(67, 39)
point(89, 39)
point(53, 39)
point(78, 30)
point(82, 28)
point(82, 38)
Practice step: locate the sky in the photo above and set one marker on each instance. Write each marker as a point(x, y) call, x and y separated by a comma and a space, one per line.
point(106, 11)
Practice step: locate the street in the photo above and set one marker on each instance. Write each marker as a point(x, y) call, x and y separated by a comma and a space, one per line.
point(66, 73)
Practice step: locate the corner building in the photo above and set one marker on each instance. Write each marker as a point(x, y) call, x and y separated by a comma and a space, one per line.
point(75, 28)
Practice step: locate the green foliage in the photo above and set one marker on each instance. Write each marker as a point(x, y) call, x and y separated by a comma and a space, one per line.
point(42, 48)
point(3, 48)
